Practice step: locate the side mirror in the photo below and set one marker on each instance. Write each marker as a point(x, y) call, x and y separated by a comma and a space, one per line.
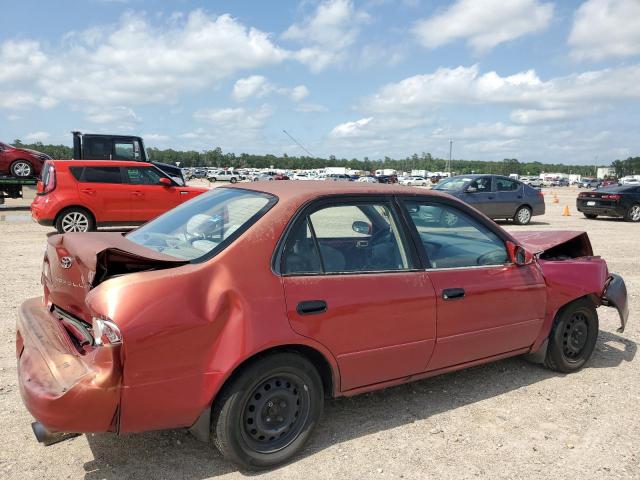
point(165, 182)
point(361, 227)
point(518, 254)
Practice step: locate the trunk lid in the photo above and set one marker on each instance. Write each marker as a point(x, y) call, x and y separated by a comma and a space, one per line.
point(74, 263)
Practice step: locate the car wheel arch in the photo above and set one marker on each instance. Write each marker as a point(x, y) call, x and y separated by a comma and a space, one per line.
point(70, 207)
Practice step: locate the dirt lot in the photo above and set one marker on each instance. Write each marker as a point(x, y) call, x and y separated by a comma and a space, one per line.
point(507, 420)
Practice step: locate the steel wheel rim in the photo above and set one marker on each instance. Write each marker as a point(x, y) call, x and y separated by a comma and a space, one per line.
point(275, 413)
point(22, 169)
point(75, 222)
point(524, 215)
point(635, 213)
point(575, 336)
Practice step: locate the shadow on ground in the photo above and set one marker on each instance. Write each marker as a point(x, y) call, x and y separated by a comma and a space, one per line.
point(176, 454)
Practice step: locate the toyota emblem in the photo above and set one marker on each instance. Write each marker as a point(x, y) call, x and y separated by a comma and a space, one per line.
point(66, 262)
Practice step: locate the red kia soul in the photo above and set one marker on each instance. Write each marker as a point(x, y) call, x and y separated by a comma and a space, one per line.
point(79, 196)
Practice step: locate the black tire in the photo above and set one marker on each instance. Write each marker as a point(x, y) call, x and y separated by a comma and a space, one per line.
point(573, 337)
point(233, 180)
point(261, 393)
point(83, 220)
point(590, 216)
point(21, 169)
point(522, 215)
point(213, 179)
point(633, 214)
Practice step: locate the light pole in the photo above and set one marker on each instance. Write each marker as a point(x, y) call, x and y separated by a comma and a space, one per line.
point(449, 165)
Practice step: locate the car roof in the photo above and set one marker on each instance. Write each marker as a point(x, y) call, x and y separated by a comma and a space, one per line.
point(100, 163)
point(300, 192)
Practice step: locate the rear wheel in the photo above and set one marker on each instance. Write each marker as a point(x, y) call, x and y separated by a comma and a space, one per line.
point(522, 216)
point(573, 337)
point(233, 180)
point(633, 214)
point(213, 179)
point(75, 220)
point(21, 168)
point(267, 413)
point(591, 216)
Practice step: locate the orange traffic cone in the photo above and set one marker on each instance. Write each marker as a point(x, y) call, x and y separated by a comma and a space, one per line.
point(565, 212)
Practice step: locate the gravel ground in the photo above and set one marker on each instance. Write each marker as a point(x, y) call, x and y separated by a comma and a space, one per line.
point(508, 420)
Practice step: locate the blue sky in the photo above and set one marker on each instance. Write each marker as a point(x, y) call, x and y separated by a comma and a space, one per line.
point(528, 79)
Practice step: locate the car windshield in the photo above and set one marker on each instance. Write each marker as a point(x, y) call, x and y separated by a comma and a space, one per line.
point(204, 225)
point(455, 183)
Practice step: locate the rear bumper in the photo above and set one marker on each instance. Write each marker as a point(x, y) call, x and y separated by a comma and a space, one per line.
point(615, 295)
point(40, 215)
point(64, 390)
point(604, 210)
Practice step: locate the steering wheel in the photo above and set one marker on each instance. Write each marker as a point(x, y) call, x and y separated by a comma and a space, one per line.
point(494, 257)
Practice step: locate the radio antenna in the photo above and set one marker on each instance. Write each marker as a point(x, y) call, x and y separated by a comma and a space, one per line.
point(297, 143)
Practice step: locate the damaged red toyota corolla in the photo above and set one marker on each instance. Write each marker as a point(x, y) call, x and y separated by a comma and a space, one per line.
point(237, 312)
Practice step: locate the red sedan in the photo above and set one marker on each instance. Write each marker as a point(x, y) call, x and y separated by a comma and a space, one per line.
point(20, 162)
point(236, 313)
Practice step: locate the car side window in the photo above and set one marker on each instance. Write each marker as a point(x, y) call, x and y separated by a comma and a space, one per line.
point(454, 239)
point(482, 184)
point(124, 151)
point(361, 237)
point(504, 185)
point(143, 175)
point(97, 174)
point(97, 149)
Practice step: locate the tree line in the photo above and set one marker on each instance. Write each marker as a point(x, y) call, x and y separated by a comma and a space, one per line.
point(424, 161)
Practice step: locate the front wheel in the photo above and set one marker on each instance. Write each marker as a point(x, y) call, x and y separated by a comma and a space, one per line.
point(633, 214)
point(522, 216)
point(573, 337)
point(213, 179)
point(233, 180)
point(265, 415)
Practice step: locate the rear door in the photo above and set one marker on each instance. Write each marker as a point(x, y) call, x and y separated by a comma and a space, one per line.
point(487, 306)
point(101, 190)
point(150, 198)
point(351, 284)
point(508, 196)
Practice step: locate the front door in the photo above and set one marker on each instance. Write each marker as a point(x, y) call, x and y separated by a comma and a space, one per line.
point(486, 305)
point(150, 198)
point(479, 194)
point(351, 284)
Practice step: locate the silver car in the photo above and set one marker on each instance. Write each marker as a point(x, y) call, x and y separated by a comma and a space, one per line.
point(496, 196)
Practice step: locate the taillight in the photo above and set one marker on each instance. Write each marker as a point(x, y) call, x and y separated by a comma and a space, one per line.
point(582, 194)
point(49, 179)
point(615, 198)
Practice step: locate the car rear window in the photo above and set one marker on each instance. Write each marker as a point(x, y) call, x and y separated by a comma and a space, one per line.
point(97, 174)
point(200, 228)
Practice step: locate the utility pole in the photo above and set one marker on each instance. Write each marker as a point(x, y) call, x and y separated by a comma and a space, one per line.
point(450, 149)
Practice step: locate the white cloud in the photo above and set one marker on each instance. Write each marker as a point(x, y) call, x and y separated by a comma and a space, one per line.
point(135, 61)
point(102, 115)
point(483, 23)
point(606, 28)
point(327, 34)
point(37, 136)
point(258, 86)
point(526, 91)
point(235, 119)
point(352, 129)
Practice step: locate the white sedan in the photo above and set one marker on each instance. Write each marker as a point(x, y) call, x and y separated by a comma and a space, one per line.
point(223, 175)
point(415, 181)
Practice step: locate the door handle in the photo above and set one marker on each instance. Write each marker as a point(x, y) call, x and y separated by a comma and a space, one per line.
point(491, 197)
point(137, 194)
point(452, 293)
point(182, 192)
point(311, 307)
point(88, 191)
